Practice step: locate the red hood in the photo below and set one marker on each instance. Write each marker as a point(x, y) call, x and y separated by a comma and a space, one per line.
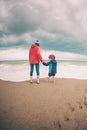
point(33, 45)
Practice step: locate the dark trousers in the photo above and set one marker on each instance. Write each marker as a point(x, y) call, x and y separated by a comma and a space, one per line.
point(32, 69)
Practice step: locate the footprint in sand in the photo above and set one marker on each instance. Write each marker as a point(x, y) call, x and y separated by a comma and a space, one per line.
point(66, 118)
point(57, 125)
point(85, 102)
point(76, 128)
point(85, 90)
point(44, 128)
point(80, 103)
point(71, 108)
point(80, 106)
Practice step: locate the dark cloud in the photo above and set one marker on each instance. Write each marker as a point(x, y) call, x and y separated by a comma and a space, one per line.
point(55, 23)
point(23, 20)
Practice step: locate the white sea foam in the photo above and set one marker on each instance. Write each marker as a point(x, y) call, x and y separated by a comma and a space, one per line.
point(20, 71)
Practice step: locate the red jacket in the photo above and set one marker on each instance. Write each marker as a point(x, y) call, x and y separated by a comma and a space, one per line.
point(34, 54)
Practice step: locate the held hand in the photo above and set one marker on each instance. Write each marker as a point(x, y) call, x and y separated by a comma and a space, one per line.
point(42, 61)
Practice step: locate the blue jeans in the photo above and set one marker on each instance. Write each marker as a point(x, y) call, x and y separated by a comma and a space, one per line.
point(51, 74)
point(32, 69)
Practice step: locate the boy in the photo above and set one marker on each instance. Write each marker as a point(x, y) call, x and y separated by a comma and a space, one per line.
point(52, 67)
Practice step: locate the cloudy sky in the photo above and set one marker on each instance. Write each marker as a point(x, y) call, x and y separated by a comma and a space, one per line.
point(60, 25)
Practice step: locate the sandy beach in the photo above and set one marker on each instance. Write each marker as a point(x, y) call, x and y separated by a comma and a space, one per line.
point(46, 106)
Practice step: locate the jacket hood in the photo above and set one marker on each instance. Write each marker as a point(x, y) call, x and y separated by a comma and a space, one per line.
point(51, 57)
point(53, 61)
point(33, 45)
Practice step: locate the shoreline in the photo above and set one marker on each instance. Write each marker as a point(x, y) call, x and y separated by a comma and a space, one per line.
point(46, 106)
point(42, 79)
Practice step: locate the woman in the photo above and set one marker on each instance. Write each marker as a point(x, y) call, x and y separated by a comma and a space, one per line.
point(34, 58)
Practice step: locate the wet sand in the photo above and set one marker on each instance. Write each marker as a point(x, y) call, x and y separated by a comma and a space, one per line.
point(46, 106)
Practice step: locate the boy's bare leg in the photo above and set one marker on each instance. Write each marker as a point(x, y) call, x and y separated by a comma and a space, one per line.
point(48, 79)
point(53, 79)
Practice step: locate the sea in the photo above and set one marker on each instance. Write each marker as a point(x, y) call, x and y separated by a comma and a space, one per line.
point(18, 70)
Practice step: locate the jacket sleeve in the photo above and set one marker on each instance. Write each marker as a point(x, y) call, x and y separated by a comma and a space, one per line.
point(29, 54)
point(46, 64)
point(39, 55)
